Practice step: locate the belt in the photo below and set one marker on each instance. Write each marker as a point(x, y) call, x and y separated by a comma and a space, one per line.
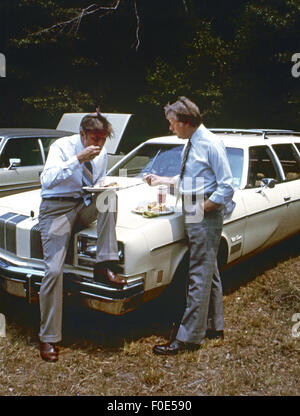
point(206, 196)
point(63, 198)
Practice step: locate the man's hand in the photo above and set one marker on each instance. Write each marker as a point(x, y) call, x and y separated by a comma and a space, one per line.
point(154, 180)
point(209, 205)
point(89, 153)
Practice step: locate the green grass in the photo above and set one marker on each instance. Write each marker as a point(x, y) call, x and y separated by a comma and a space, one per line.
point(104, 355)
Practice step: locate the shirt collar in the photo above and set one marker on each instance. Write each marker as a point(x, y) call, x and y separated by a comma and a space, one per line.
point(197, 134)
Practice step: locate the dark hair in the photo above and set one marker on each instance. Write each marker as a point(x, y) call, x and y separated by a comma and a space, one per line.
point(96, 121)
point(184, 110)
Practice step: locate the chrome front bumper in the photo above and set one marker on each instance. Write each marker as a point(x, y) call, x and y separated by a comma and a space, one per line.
point(25, 282)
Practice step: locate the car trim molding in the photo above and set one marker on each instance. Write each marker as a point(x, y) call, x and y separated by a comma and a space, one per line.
point(29, 280)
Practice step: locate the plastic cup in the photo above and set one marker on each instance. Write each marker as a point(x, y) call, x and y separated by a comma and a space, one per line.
point(162, 191)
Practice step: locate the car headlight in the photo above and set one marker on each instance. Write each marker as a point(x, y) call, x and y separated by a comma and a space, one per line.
point(87, 246)
point(121, 252)
point(87, 250)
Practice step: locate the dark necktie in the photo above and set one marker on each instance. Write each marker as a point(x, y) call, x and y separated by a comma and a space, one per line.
point(184, 159)
point(182, 169)
point(87, 180)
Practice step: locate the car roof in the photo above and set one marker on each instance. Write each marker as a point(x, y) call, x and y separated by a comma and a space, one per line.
point(241, 138)
point(27, 132)
point(256, 137)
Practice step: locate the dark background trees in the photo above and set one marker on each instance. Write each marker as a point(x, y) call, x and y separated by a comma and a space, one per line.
point(233, 58)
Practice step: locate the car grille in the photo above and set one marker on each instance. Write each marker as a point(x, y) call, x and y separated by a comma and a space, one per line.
point(8, 241)
point(36, 249)
point(8, 224)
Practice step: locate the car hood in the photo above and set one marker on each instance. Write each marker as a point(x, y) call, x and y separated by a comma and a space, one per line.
point(132, 193)
point(71, 122)
point(158, 231)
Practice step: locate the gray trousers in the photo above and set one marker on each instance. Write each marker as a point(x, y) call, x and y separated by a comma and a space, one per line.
point(204, 308)
point(57, 220)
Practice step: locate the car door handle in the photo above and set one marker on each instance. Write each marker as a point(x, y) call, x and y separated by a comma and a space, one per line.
point(287, 198)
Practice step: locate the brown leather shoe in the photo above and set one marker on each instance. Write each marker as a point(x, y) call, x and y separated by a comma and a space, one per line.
point(109, 275)
point(114, 278)
point(49, 352)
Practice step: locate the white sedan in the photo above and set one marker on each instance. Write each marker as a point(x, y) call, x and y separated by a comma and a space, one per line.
point(152, 247)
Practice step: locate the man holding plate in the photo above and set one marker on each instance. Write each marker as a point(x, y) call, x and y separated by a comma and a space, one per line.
point(72, 163)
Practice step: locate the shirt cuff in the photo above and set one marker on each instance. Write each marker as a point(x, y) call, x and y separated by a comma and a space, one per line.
point(217, 199)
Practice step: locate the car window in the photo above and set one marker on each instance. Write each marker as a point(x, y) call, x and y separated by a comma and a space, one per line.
point(26, 149)
point(163, 160)
point(298, 146)
point(47, 141)
point(261, 165)
point(289, 160)
point(236, 161)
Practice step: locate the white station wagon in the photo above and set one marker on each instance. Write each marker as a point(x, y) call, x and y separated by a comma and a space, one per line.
point(153, 251)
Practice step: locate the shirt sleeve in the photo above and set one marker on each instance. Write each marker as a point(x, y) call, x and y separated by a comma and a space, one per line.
point(221, 168)
point(101, 165)
point(57, 167)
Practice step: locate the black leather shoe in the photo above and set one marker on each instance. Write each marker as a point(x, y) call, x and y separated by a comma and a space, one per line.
point(174, 347)
point(211, 334)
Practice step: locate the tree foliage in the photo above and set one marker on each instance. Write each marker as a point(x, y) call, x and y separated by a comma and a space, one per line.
point(233, 58)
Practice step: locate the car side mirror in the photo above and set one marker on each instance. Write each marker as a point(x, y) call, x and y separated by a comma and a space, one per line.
point(266, 183)
point(13, 164)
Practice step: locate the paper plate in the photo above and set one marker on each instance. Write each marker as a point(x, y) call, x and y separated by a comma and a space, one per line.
point(95, 189)
point(157, 213)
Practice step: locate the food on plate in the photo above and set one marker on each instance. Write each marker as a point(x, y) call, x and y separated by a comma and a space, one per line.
point(155, 207)
point(149, 214)
point(111, 184)
point(152, 208)
point(151, 205)
point(140, 209)
point(108, 185)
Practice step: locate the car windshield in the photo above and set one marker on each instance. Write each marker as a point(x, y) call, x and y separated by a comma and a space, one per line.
point(165, 160)
point(161, 159)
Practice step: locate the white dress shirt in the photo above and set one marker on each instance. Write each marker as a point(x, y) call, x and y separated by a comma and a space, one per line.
point(62, 174)
point(207, 170)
